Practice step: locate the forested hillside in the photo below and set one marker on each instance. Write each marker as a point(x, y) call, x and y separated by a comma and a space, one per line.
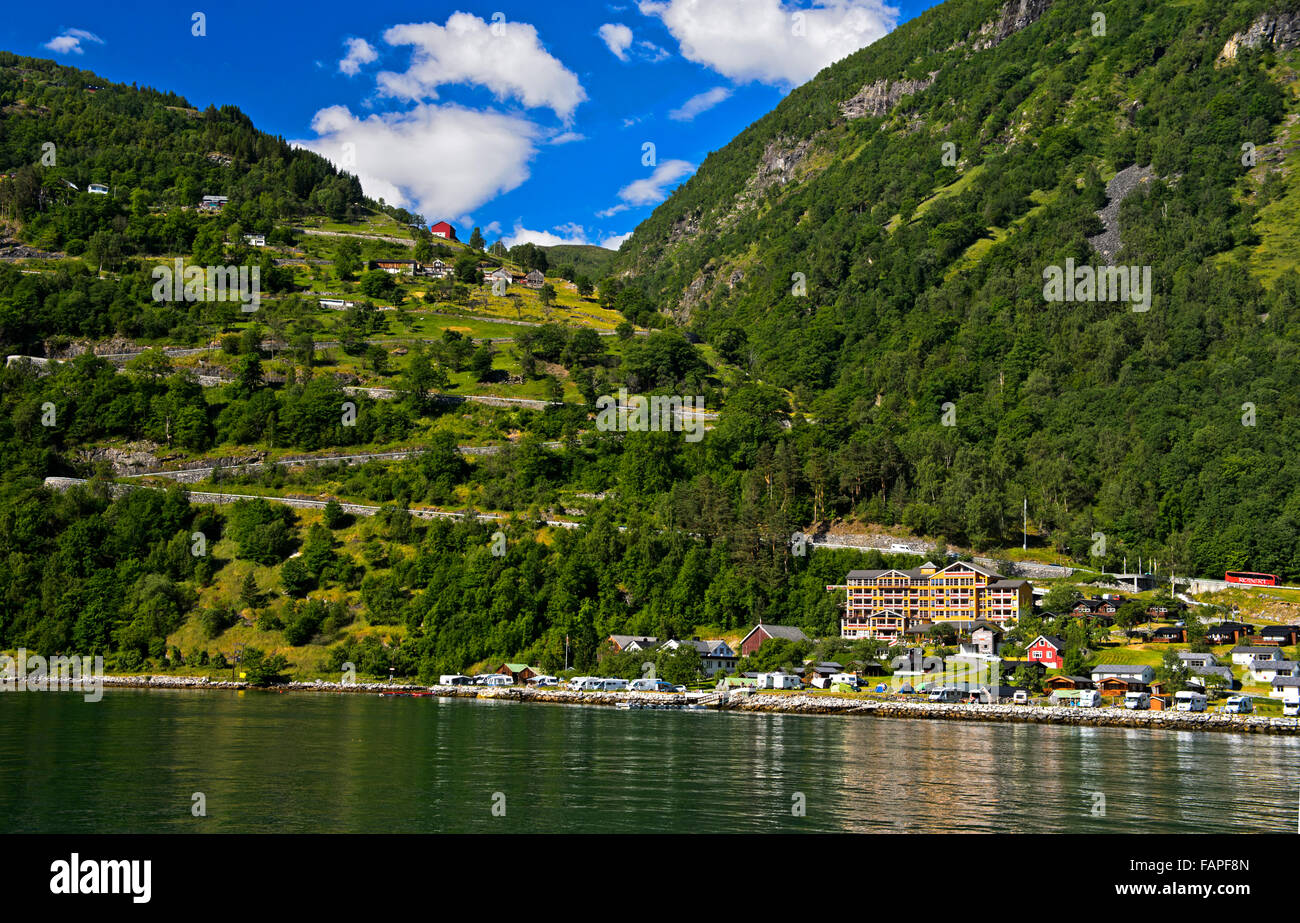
point(854, 288)
point(922, 186)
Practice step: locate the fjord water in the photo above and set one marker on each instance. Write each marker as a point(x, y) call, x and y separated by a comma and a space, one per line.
point(362, 763)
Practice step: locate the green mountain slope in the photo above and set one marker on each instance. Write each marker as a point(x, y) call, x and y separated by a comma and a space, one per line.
point(919, 189)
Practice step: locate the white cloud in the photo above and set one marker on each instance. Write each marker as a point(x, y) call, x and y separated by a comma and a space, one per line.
point(617, 38)
point(652, 52)
point(442, 161)
point(653, 189)
point(69, 41)
point(614, 241)
point(522, 235)
point(701, 102)
point(492, 227)
point(506, 57)
point(767, 40)
point(359, 52)
point(567, 137)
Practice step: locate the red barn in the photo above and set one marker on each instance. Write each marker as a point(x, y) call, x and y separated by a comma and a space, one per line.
point(1048, 650)
point(444, 230)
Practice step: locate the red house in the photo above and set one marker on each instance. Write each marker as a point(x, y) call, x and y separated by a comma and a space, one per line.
point(760, 633)
point(444, 230)
point(1048, 650)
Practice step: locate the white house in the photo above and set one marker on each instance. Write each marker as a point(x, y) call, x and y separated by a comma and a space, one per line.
point(1197, 660)
point(255, 240)
point(1133, 673)
point(1263, 670)
point(501, 274)
point(715, 655)
point(1285, 687)
point(213, 203)
point(1244, 655)
point(336, 304)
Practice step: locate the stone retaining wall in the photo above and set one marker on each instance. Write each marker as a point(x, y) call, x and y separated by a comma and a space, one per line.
point(781, 704)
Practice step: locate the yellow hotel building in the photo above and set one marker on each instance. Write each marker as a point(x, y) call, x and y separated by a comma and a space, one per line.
point(884, 604)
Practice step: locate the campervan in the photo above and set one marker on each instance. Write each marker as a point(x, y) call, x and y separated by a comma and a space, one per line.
point(1239, 705)
point(845, 679)
point(1020, 697)
point(778, 681)
point(650, 685)
point(455, 679)
point(945, 694)
point(1189, 701)
point(496, 679)
point(1089, 698)
point(1140, 701)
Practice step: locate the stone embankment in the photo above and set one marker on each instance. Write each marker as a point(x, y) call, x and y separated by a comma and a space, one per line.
point(1031, 714)
point(778, 703)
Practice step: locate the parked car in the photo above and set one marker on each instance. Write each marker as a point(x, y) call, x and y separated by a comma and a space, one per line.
point(679, 689)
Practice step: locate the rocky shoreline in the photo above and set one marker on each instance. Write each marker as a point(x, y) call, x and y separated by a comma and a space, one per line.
point(777, 703)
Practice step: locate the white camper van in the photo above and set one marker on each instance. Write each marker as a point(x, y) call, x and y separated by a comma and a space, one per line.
point(1089, 698)
point(1189, 701)
point(1140, 701)
point(1239, 705)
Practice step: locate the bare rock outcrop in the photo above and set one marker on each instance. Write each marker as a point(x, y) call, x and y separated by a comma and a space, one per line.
point(1016, 15)
point(876, 99)
point(1279, 30)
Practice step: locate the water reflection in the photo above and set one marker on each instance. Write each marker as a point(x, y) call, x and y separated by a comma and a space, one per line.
point(327, 763)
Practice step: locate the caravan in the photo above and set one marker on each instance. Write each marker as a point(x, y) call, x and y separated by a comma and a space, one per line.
point(1139, 701)
point(1239, 705)
point(1189, 701)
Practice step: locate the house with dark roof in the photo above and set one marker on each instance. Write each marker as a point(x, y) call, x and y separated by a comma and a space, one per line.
point(1201, 674)
point(534, 279)
point(1049, 650)
point(1243, 655)
point(1285, 635)
point(1170, 634)
point(1284, 686)
point(632, 642)
point(1227, 632)
point(762, 633)
point(1057, 683)
point(715, 654)
point(1140, 673)
point(1265, 670)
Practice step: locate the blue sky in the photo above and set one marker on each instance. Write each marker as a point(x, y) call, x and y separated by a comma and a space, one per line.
point(531, 120)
